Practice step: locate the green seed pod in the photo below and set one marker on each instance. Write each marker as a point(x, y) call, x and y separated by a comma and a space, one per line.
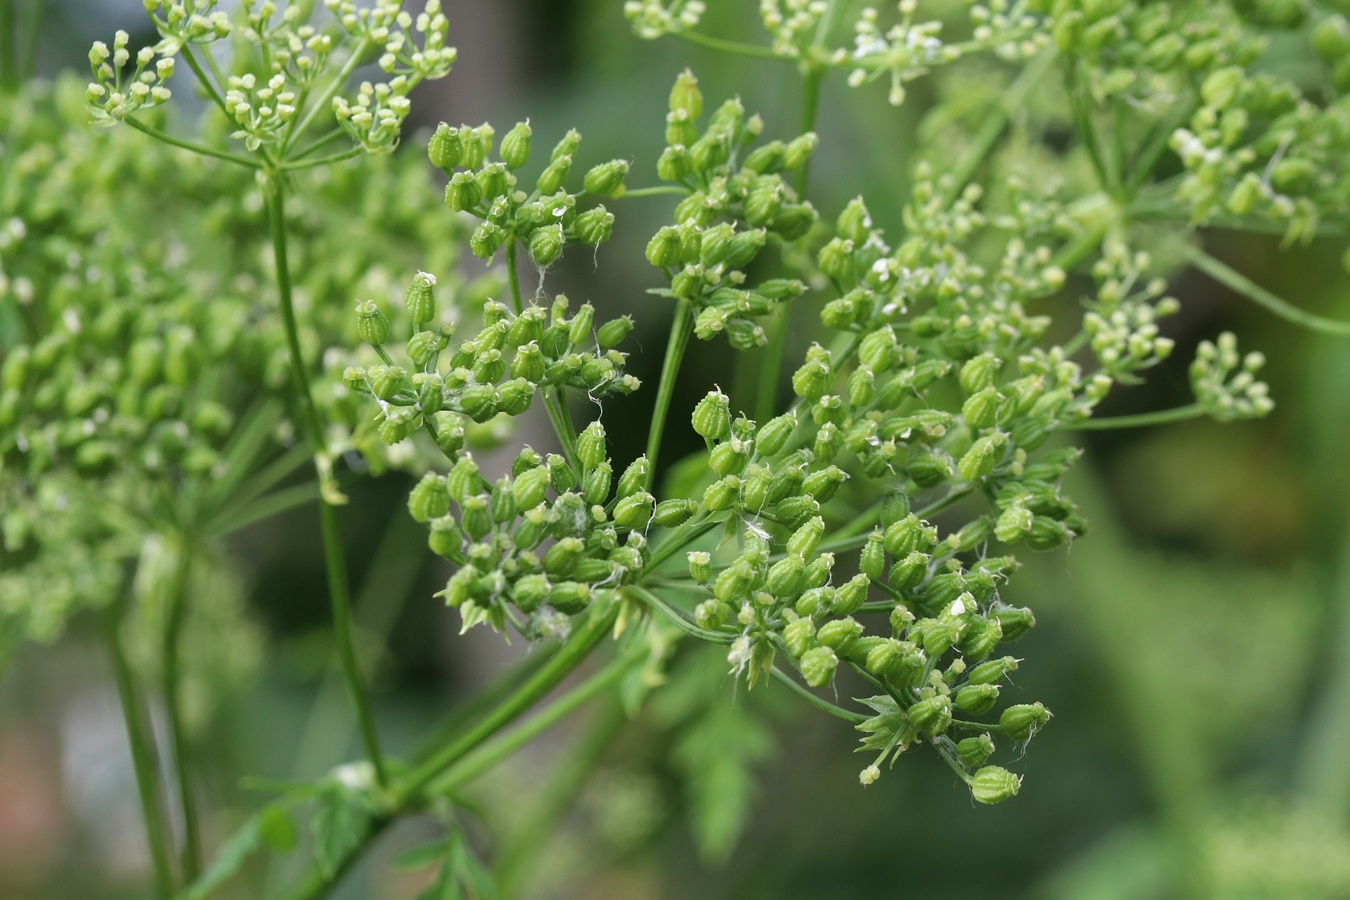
point(805, 539)
point(419, 299)
point(530, 488)
point(712, 416)
point(764, 200)
point(855, 222)
point(1015, 622)
point(480, 402)
point(976, 699)
point(930, 469)
point(813, 379)
point(872, 561)
point(981, 409)
point(839, 634)
point(793, 221)
point(459, 587)
point(980, 639)
point(554, 176)
point(823, 484)
point(594, 226)
point(799, 636)
point(561, 559)
point(446, 147)
point(850, 597)
point(905, 536)
point(493, 181)
point(590, 570)
point(885, 659)
point(785, 577)
point(463, 480)
point(477, 145)
point(502, 504)
point(709, 151)
point(529, 363)
point(672, 513)
point(1022, 721)
point(799, 150)
point(486, 240)
point(399, 424)
point(635, 477)
point(1047, 534)
point(908, 573)
point(371, 325)
point(700, 565)
point(449, 434)
point(634, 511)
point(429, 498)
point(613, 332)
point(993, 671)
point(773, 435)
point(476, 517)
point(818, 571)
point(836, 261)
point(462, 192)
point(685, 95)
point(721, 494)
point(591, 446)
point(606, 179)
point(530, 592)
point(994, 784)
point(978, 373)
point(744, 247)
point(445, 539)
point(546, 244)
point(579, 331)
point(765, 159)
point(561, 476)
point(932, 716)
point(566, 147)
point(515, 150)
point(975, 751)
point(595, 486)
point(818, 665)
point(569, 597)
point(664, 248)
point(489, 366)
point(674, 164)
point(815, 602)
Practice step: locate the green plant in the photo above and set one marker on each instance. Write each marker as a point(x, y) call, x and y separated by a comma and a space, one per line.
point(858, 531)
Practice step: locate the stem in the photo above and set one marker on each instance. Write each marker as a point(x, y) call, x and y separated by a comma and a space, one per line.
point(953, 762)
point(189, 145)
point(142, 757)
point(1252, 291)
point(1013, 100)
point(677, 542)
point(571, 655)
point(1180, 414)
point(321, 101)
point(791, 684)
point(1082, 118)
point(204, 80)
point(659, 190)
point(726, 46)
point(556, 404)
point(680, 330)
point(811, 80)
point(173, 701)
point(334, 565)
point(486, 757)
point(677, 619)
point(292, 165)
point(512, 275)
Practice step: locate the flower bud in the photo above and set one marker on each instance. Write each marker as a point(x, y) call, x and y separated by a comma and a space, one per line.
point(931, 716)
point(974, 752)
point(445, 539)
point(818, 665)
point(635, 477)
point(594, 226)
point(462, 192)
point(446, 148)
point(1022, 721)
point(712, 416)
point(515, 150)
point(994, 784)
point(607, 178)
point(371, 325)
point(700, 565)
point(840, 634)
point(546, 244)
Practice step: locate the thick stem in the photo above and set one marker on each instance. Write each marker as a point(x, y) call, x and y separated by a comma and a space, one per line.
point(334, 564)
point(680, 330)
point(1243, 285)
point(191, 851)
point(143, 757)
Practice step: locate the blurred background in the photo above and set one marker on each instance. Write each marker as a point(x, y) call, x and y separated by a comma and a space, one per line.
point(1194, 649)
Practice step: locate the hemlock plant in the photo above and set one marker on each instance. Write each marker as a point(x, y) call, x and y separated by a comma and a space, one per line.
point(155, 397)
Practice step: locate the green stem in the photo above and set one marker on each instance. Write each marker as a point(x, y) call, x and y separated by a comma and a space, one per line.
point(686, 535)
point(173, 701)
point(1180, 414)
point(556, 405)
point(334, 564)
point(680, 330)
point(1252, 291)
point(321, 102)
point(189, 145)
point(659, 190)
point(952, 762)
point(1013, 99)
point(1082, 118)
point(569, 656)
point(513, 274)
point(485, 758)
point(203, 79)
point(811, 81)
point(143, 757)
point(791, 684)
point(323, 141)
point(292, 165)
point(726, 46)
point(676, 618)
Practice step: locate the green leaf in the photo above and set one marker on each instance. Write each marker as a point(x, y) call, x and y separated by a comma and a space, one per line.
point(271, 826)
point(421, 857)
point(340, 824)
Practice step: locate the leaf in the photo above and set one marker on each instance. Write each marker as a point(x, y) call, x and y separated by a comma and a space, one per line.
point(270, 826)
point(340, 824)
point(420, 857)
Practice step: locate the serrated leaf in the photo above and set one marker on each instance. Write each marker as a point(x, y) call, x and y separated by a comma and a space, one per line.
point(263, 827)
point(340, 824)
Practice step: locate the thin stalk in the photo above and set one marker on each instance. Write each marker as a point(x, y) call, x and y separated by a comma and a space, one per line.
point(294, 164)
point(338, 592)
point(680, 330)
point(676, 618)
point(556, 404)
point(143, 758)
point(513, 274)
point(189, 145)
point(203, 79)
point(811, 81)
point(321, 101)
point(659, 190)
point(688, 533)
point(488, 756)
point(323, 141)
point(726, 46)
point(818, 702)
point(952, 762)
point(191, 851)
point(1243, 285)
point(1179, 414)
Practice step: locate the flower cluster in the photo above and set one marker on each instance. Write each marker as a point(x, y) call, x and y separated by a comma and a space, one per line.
point(114, 95)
